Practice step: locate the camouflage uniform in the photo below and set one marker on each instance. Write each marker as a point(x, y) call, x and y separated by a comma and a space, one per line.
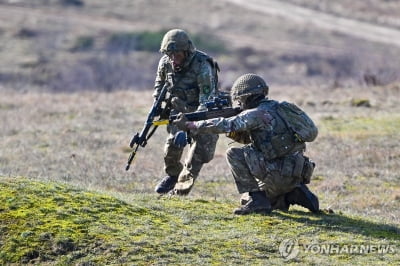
point(270, 167)
point(193, 85)
point(253, 166)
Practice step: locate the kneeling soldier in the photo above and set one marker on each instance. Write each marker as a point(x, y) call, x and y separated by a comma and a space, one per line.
point(271, 167)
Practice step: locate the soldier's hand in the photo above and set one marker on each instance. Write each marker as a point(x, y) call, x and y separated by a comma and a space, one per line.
point(180, 122)
point(180, 139)
point(241, 137)
point(232, 135)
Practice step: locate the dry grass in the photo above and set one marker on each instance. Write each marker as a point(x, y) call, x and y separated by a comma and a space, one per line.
point(375, 11)
point(38, 40)
point(82, 139)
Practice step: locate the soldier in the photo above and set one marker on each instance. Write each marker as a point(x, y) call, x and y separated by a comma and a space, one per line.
point(194, 78)
point(260, 168)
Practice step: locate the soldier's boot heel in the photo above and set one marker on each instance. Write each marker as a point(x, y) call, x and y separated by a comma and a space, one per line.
point(302, 196)
point(257, 203)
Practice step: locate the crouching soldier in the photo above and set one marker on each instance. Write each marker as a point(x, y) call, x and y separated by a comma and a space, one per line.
point(270, 168)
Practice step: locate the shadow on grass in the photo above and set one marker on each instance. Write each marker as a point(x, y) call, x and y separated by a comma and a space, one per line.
point(344, 223)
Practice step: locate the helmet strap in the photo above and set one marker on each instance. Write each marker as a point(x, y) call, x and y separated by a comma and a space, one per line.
point(253, 101)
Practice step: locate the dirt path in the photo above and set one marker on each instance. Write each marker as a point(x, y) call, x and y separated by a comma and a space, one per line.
point(297, 14)
point(10, 15)
point(370, 32)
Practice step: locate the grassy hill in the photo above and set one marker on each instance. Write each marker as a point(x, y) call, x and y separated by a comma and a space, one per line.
point(54, 223)
point(74, 87)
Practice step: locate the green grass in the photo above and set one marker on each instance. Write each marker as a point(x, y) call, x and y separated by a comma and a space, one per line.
point(58, 224)
point(362, 127)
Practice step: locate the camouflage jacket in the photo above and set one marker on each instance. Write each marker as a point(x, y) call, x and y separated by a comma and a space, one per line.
point(193, 85)
point(260, 126)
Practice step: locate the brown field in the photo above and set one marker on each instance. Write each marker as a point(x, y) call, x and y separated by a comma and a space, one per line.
point(67, 114)
point(58, 45)
point(82, 139)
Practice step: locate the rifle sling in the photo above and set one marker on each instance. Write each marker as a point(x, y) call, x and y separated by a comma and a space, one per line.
point(151, 132)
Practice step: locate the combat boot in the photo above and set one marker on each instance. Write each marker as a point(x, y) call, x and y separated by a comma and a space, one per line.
point(257, 203)
point(278, 203)
point(166, 184)
point(244, 198)
point(302, 196)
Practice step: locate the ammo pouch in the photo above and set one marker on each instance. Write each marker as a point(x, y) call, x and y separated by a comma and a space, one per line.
point(308, 170)
point(298, 166)
point(292, 165)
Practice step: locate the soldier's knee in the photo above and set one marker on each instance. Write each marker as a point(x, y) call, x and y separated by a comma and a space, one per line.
point(172, 150)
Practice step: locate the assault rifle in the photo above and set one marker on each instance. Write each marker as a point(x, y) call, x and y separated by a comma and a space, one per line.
point(216, 108)
point(160, 108)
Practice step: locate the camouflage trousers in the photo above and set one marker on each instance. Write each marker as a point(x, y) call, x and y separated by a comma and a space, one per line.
point(201, 151)
point(253, 172)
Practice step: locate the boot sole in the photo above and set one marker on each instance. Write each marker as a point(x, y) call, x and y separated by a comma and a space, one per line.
point(261, 211)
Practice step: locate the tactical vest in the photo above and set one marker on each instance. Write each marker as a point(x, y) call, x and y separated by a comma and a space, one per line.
point(214, 66)
point(186, 87)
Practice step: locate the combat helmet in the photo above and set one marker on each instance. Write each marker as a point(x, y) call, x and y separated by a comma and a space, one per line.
point(248, 85)
point(176, 40)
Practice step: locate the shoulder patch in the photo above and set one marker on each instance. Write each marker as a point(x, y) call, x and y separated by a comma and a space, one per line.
point(206, 89)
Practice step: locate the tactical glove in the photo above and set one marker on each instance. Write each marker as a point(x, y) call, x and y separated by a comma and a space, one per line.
point(180, 122)
point(241, 137)
point(180, 139)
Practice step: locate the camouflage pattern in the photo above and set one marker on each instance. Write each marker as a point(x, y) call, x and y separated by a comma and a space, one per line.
point(176, 40)
point(201, 151)
point(253, 166)
point(248, 84)
point(192, 88)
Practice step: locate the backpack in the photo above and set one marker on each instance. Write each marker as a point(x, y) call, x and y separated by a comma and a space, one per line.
point(297, 121)
point(292, 129)
point(214, 65)
point(302, 129)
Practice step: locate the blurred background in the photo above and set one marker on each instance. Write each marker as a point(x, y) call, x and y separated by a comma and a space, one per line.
point(74, 45)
